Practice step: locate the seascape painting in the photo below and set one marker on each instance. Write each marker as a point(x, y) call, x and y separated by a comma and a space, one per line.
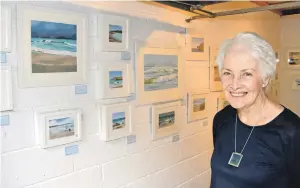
point(53, 47)
point(115, 79)
point(198, 105)
point(160, 72)
point(166, 119)
point(115, 33)
point(61, 127)
point(118, 120)
point(197, 44)
point(294, 58)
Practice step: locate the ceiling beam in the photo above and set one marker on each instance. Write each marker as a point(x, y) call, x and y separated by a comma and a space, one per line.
point(264, 3)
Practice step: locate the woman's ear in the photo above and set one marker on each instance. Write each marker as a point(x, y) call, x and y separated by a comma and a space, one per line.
point(266, 82)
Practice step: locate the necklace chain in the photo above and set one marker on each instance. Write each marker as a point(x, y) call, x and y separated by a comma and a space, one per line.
point(235, 136)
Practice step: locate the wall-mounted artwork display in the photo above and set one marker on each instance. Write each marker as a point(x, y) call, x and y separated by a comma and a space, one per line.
point(115, 121)
point(158, 75)
point(222, 102)
point(296, 82)
point(113, 80)
point(6, 88)
point(197, 48)
point(113, 33)
point(215, 80)
point(6, 24)
point(58, 126)
point(165, 119)
point(197, 105)
point(52, 47)
point(294, 57)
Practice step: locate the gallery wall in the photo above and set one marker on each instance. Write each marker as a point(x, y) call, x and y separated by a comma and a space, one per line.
point(180, 160)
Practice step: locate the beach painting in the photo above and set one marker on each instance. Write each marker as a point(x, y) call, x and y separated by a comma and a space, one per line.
point(197, 44)
point(115, 79)
point(166, 119)
point(118, 120)
point(198, 105)
point(115, 33)
point(61, 127)
point(294, 58)
point(53, 47)
point(160, 72)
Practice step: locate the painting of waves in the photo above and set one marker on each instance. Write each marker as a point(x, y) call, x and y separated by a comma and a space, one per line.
point(53, 47)
point(197, 44)
point(115, 79)
point(118, 120)
point(198, 104)
point(166, 119)
point(294, 58)
point(115, 33)
point(61, 127)
point(160, 72)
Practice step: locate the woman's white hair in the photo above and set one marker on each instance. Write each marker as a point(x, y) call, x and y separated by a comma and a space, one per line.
point(259, 48)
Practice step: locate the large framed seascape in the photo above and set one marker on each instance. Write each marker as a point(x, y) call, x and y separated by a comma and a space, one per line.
point(293, 57)
point(6, 28)
point(158, 75)
point(113, 80)
point(114, 121)
point(52, 47)
point(197, 107)
point(6, 88)
point(113, 33)
point(58, 126)
point(165, 119)
point(197, 48)
point(215, 79)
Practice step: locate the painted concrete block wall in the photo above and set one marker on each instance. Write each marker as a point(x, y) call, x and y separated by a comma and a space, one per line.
point(144, 164)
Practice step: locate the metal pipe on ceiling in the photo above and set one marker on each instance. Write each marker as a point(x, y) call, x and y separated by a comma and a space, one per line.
point(248, 10)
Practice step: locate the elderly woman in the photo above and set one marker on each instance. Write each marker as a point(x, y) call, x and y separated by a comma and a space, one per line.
point(256, 141)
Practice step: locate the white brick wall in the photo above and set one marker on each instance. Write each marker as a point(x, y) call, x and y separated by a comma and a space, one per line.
point(114, 164)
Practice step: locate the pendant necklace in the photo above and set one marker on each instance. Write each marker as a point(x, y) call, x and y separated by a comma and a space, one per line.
point(236, 157)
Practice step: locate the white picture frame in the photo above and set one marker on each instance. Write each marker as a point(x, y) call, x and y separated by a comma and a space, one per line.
point(117, 25)
point(296, 82)
point(165, 119)
point(64, 65)
point(6, 28)
point(150, 78)
point(58, 126)
point(197, 48)
point(293, 57)
point(197, 105)
point(6, 88)
point(214, 79)
point(115, 121)
point(113, 80)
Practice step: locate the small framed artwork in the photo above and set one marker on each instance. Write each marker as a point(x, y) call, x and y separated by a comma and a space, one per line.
point(197, 105)
point(197, 48)
point(6, 88)
point(296, 82)
point(222, 102)
point(215, 79)
point(115, 121)
point(113, 33)
point(57, 126)
point(293, 57)
point(113, 80)
point(158, 75)
point(165, 119)
point(52, 46)
point(6, 28)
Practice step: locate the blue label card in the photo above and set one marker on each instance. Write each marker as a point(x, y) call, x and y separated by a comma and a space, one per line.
point(3, 57)
point(131, 139)
point(71, 150)
point(80, 89)
point(4, 120)
point(175, 138)
point(125, 56)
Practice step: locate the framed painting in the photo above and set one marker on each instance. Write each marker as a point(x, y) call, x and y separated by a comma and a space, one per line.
point(52, 46)
point(6, 28)
point(113, 80)
point(215, 79)
point(158, 75)
point(115, 121)
point(58, 126)
point(296, 82)
point(6, 88)
point(165, 119)
point(113, 33)
point(221, 102)
point(197, 105)
point(293, 57)
point(197, 48)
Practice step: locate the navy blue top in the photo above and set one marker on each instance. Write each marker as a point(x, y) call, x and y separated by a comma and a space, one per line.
point(271, 159)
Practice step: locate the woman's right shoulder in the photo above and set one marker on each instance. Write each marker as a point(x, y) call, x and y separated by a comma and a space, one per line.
point(224, 115)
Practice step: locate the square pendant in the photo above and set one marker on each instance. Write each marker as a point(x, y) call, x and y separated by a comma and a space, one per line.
point(235, 159)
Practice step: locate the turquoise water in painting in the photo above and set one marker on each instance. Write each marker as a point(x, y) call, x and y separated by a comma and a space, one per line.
point(54, 46)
